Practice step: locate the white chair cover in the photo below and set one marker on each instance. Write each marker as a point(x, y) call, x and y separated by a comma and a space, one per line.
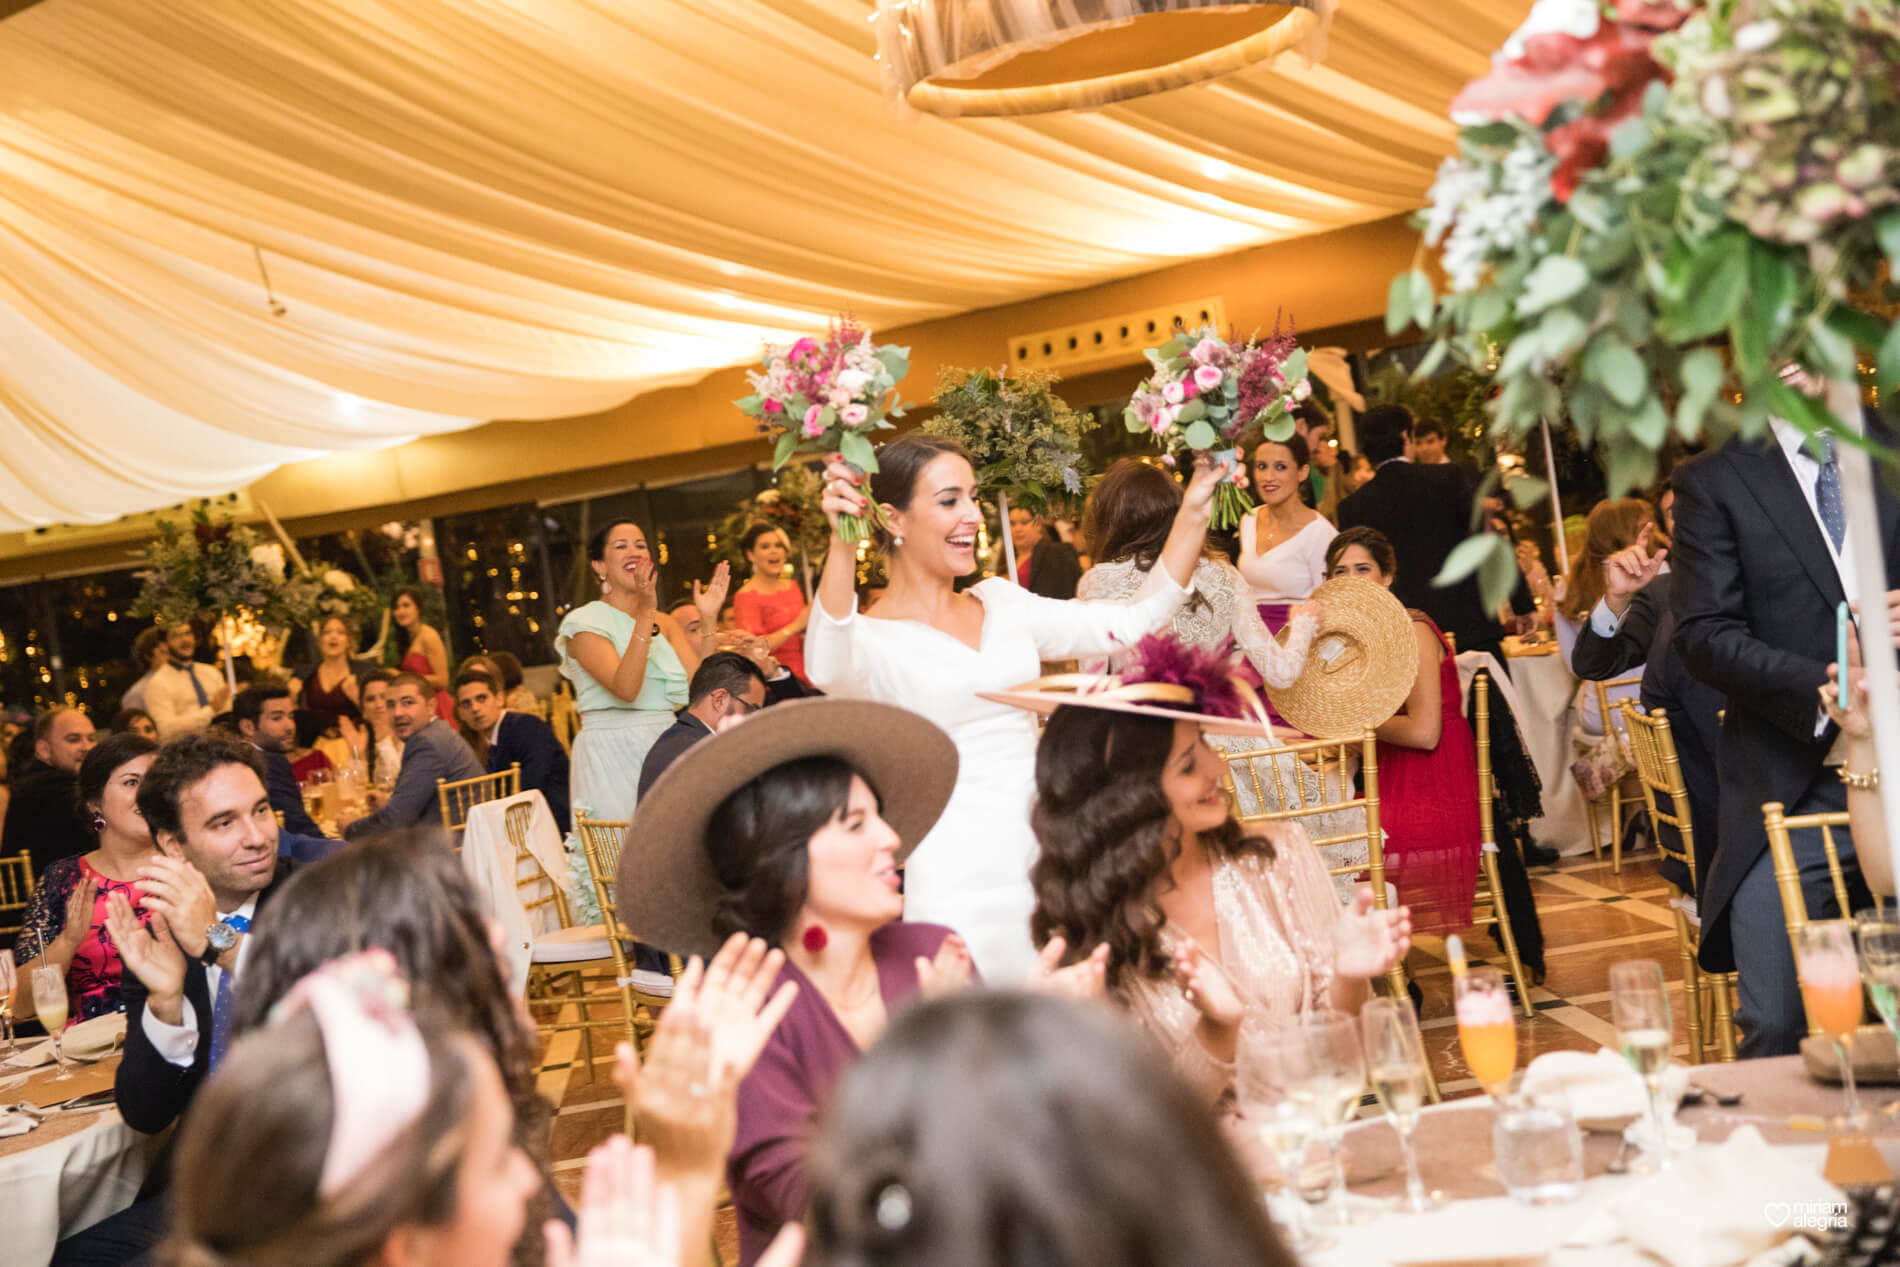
point(500, 878)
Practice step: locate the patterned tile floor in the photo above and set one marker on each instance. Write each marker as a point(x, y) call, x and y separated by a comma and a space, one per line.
point(1592, 918)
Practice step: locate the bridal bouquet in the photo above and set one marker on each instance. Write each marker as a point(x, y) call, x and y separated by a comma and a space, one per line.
point(827, 396)
point(1206, 392)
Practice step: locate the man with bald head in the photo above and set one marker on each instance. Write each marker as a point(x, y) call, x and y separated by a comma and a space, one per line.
point(43, 816)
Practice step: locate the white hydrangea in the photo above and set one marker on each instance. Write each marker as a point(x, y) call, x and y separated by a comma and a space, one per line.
point(339, 581)
point(270, 558)
point(1492, 220)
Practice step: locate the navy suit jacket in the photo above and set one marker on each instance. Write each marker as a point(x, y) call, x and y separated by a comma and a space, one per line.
point(685, 731)
point(525, 738)
point(280, 782)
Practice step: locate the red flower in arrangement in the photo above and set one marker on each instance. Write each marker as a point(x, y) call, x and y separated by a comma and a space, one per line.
point(1580, 146)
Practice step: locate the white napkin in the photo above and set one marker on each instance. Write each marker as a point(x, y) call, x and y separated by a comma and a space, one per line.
point(95, 1039)
point(1600, 1085)
point(1725, 1203)
point(31, 1056)
point(12, 1123)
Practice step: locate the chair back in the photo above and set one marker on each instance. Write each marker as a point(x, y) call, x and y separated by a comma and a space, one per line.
point(16, 886)
point(1333, 760)
point(563, 717)
point(1605, 713)
point(1794, 903)
point(600, 841)
point(1659, 770)
point(537, 888)
point(458, 797)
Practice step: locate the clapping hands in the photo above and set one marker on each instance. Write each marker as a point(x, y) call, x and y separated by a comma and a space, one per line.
point(627, 1219)
point(1367, 942)
point(1081, 981)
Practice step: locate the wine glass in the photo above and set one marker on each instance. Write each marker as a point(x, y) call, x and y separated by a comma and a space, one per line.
point(1645, 1029)
point(49, 1003)
point(1277, 1080)
point(1878, 936)
point(1487, 1027)
point(1825, 961)
point(1395, 1062)
point(1342, 1064)
point(9, 981)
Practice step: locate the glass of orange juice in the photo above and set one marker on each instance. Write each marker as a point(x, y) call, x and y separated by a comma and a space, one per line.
point(1487, 1027)
point(1829, 969)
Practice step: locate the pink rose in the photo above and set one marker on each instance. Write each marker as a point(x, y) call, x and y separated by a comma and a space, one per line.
point(1207, 377)
point(1175, 393)
point(1302, 389)
point(813, 427)
point(773, 407)
point(855, 415)
point(1164, 418)
point(804, 347)
point(1208, 352)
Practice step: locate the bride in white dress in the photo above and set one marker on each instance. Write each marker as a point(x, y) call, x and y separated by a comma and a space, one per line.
point(930, 649)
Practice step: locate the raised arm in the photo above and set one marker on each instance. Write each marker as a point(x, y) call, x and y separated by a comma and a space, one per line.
point(844, 494)
point(1188, 537)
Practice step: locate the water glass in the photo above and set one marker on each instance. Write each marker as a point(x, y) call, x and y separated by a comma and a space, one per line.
point(1645, 1032)
point(1877, 934)
point(9, 981)
point(1539, 1150)
point(1342, 1064)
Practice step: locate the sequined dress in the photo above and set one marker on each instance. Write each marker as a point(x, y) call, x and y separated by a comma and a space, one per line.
point(1277, 918)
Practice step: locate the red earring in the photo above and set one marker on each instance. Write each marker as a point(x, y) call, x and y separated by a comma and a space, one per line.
point(815, 939)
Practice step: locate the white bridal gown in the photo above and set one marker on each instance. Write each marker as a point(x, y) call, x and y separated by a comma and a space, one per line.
point(971, 873)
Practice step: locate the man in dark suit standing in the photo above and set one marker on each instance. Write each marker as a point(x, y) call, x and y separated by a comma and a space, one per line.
point(1762, 561)
point(515, 739)
point(1424, 511)
point(263, 718)
point(726, 684)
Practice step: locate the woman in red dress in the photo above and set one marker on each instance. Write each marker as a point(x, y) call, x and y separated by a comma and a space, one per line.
point(1428, 763)
point(770, 605)
point(424, 652)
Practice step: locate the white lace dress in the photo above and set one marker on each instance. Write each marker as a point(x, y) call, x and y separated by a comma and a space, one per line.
point(1218, 607)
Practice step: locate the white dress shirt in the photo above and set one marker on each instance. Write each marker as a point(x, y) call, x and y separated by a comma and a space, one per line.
point(173, 702)
point(178, 1044)
point(1806, 472)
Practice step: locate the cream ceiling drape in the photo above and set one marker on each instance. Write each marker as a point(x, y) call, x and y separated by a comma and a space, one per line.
point(477, 209)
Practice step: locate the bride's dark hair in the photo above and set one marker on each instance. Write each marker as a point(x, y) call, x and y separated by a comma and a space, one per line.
point(1107, 836)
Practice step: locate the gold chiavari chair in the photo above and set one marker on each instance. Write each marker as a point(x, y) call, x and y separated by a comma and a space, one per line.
point(1611, 802)
point(1488, 839)
point(563, 716)
point(1332, 760)
point(459, 797)
point(1666, 800)
point(1794, 902)
point(601, 841)
point(16, 887)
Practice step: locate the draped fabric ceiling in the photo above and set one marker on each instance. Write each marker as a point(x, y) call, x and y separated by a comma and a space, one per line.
point(479, 209)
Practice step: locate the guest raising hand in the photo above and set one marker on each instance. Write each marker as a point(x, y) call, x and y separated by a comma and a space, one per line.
point(932, 648)
point(630, 664)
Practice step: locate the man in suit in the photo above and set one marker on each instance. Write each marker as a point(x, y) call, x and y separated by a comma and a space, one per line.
point(1633, 625)
point(431, 753)
point(1424, 511)
point(726, 684)
point(1759, 571)
point(263, 718)
point(514, 739)
point(43, 812)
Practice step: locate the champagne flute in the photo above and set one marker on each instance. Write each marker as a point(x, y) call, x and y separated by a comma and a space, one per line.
point(1342, 1065)
point(9, 981)
point(1487, 1027)
point(1878, 936)
point(1395, 1061)
point(1824, 959)
point(49, 1003)
point(1275, 1076)
point(1645, 1028)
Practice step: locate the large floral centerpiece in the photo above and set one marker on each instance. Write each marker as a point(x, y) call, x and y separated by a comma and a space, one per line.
point(1207, 392)
point(317, 591)
point(1639, 184)
point(828, 396)
point(210, 566)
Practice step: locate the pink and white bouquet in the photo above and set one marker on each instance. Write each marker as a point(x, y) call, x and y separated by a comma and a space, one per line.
point(1205, 394)
point(827, 396)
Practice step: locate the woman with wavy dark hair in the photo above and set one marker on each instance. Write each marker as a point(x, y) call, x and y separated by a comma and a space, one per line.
point(1207, 925)
point(407, 895)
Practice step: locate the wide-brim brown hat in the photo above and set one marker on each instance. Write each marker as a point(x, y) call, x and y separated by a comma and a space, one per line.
point(1362, 665)
point(1144, 699)
point(666, 888)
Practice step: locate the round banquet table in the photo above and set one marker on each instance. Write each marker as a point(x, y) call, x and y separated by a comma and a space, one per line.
point(72, 1170)
point(1455, 1149)
point(1545, 687)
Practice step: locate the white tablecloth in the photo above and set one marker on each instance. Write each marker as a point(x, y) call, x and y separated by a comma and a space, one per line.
point(1544, 690)
point(50, 1190)
point(503, 882)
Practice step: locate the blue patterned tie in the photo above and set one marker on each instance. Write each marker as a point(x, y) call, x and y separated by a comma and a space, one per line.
point(221, 1007)
point(1827, 493)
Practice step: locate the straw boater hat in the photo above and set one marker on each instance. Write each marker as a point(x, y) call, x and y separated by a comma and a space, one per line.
point(1362, 665)
point(666, 888)
point(1163, 677)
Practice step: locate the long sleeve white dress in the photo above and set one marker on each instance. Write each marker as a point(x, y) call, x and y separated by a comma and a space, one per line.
point(972, 872)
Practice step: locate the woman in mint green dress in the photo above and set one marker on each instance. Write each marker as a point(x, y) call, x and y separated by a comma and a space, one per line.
point(630, 664)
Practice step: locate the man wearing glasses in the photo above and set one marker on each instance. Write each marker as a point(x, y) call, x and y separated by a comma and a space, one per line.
point(726, 686)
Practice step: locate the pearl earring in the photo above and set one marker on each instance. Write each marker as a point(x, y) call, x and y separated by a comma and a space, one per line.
point(897, 541)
